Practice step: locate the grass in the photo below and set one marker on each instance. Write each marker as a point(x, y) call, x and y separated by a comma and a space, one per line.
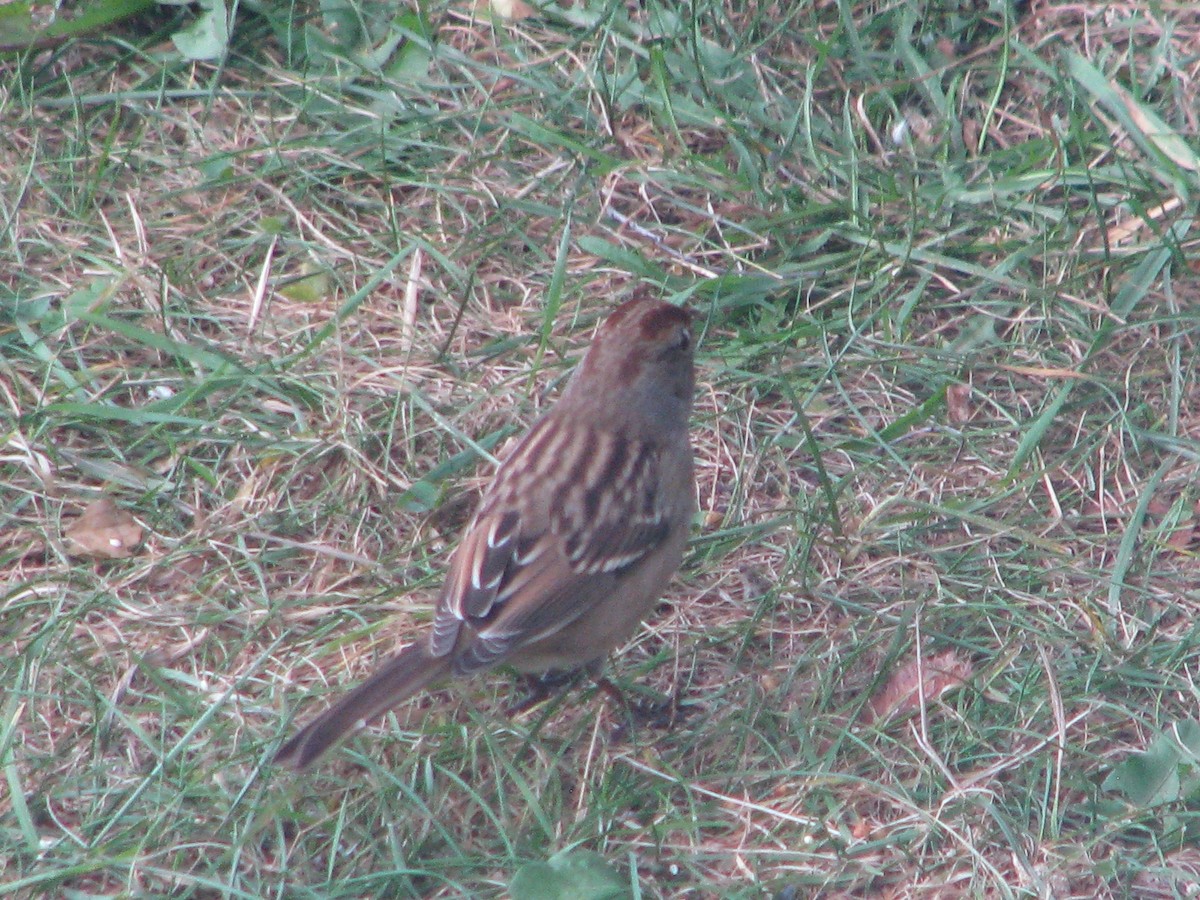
point(936, 625)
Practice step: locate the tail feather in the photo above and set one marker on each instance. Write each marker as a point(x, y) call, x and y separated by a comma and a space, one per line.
point(398, 679)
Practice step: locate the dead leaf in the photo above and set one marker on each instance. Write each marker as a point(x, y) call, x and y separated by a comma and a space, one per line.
point(1158, 506)
point(1185, 536)
point(958, 403)
point(1122, 232)
point(1181, 539)
point(104, 531)
point(930, 678)
point(1175, 876)
point(1159, 133)
point(509, 10)
point(1044, 371)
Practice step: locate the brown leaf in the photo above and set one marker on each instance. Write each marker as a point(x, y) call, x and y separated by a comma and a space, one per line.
point(509, 10)
point(1158, 506)
point(1120, 232)
point(104, 531)
point(1169, 142)
point(958, 403)
point(931, 678)
point(1175, 876)
point(1180, 540)
point(1186, 534)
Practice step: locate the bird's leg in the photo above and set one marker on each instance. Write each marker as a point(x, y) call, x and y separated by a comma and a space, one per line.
point(652, 710)
point(657, 711)
point(541, 687)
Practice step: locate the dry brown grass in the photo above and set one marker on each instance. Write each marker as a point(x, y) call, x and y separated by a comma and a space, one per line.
point(912, 661)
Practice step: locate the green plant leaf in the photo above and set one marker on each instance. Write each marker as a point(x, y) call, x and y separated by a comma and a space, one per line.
point(208, 36)
point(1158, 775)
point(569, 875)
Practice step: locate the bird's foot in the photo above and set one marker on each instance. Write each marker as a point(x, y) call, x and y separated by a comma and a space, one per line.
point(540, 688)
point(656, 711)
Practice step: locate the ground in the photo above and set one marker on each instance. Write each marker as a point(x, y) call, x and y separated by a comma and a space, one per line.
point(264, 319)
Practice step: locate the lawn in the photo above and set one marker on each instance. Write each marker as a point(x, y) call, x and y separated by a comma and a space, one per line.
point(265, 318)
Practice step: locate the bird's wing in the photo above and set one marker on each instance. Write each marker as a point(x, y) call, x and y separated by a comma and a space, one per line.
point(562, 520)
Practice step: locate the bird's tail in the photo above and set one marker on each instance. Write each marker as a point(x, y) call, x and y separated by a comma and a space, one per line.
point(399, 678)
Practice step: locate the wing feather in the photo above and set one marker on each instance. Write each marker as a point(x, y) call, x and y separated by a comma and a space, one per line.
point(566, 514)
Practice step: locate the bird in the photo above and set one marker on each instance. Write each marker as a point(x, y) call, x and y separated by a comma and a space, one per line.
point(576, 536)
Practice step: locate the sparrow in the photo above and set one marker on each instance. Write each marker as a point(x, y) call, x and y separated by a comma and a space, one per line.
point(575, 538)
